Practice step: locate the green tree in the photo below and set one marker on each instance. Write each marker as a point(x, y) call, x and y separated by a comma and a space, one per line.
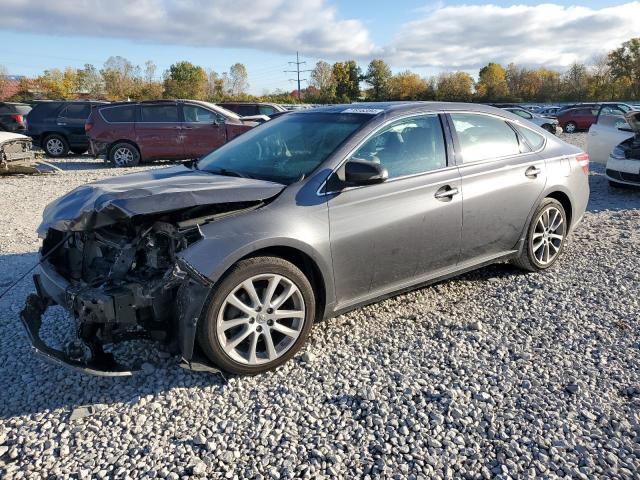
point(347, 76)
point(322, 79)
point(378, 76)
point(492, 84)
point(454, 87)
point(624, 63)
point(237, 81)
point(185, 80)
point(575, 83)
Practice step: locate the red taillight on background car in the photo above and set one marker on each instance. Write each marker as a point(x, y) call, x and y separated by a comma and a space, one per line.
point(88, 126)
point(18, 118)
point(583, 161)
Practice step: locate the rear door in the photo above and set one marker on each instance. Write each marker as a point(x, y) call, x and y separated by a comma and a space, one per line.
point(202, 131)
point(71, 120)
point(384, 236)
point(158, 131)
point(501, 181)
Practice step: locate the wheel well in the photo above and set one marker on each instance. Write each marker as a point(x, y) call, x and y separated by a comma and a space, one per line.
point(46, 134)
point(306, 264)
point(565, 202)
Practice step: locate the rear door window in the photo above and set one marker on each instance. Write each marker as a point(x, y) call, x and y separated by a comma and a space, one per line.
point(119, 114)
point(76, 111)
point(246, 110)
point(159, 113)
point(483, 137)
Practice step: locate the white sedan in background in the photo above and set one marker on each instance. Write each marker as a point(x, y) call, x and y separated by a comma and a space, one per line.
point(617, 139)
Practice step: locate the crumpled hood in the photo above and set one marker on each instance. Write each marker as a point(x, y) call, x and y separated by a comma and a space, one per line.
point(115, 199)
point(633, 119)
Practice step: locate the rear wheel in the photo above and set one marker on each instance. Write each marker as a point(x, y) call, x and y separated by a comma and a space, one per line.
point(124, 155)
point(570, 127)
point(55, 145)
point(546, 237)
point(259, 316)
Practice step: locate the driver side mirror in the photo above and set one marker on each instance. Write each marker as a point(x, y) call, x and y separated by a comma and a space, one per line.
point(358, 172)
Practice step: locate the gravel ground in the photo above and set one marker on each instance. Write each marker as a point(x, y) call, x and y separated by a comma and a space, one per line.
point(494, 374)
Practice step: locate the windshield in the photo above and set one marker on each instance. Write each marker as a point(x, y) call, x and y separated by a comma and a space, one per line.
point(286, 149)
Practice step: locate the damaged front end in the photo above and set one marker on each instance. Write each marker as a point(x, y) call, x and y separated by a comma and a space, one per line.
point(111, 257)
point(120, 283)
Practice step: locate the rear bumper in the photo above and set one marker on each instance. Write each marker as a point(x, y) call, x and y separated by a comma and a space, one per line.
point(97, 149)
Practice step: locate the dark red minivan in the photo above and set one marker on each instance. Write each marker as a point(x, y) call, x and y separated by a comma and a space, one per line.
point(129, 133)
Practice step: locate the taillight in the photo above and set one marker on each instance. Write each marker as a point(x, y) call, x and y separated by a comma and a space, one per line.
point(17, 118)
point(583, 161)
point(88, 126)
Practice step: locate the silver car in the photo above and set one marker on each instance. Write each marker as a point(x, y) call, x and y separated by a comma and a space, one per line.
point(229, 260)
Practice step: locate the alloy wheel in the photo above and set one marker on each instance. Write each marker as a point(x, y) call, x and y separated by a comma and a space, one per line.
point(55, 147)
point(123, 157)
point(260, 319)
point(548, 235)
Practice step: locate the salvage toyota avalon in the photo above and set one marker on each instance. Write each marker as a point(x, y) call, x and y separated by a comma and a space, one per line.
point(229, 260)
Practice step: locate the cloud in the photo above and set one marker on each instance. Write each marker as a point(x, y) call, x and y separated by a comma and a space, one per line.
point(281, 26)
point(469, 36)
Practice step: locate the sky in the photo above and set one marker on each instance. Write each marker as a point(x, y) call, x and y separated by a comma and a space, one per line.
point(427, 37)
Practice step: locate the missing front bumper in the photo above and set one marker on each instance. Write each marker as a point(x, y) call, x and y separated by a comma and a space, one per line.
point(31, 317)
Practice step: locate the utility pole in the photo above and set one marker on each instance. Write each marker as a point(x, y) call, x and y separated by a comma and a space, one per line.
point(297, 63)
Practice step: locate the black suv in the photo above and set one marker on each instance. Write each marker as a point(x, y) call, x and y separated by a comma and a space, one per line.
point(58, 126)
point(247, 109)
point(12, 116)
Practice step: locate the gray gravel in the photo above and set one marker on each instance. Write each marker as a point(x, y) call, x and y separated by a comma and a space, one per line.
point(494, 374)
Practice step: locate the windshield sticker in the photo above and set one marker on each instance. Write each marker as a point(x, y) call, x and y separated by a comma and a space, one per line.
point(368, 111)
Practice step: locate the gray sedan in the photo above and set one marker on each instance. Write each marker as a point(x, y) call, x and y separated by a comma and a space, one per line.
point(229, 260)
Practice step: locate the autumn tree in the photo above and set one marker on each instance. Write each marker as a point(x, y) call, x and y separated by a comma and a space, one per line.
point(454, 87)
point(378, 76)
point(492, 83)
point(215, 87)
point(407, 85)
point(119, 76)
point(322, 79)
point(624, 63)
point(185, 80)
point(347, 76)
point(90, 81)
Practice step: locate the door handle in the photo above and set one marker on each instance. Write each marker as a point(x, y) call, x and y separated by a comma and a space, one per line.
point(533, 172)
point(61, 124)
point(446, 192)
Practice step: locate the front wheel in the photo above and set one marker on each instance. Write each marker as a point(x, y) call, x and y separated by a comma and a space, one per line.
point(546, 237)
point(259, 316)
point(570, 127)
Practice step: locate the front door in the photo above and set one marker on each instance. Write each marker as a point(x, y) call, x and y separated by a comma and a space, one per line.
point(501, 181)
point(385, 236)
point(158, 131)
point(202, 131)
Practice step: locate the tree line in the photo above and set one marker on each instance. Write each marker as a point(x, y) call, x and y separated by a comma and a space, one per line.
point(615, 75)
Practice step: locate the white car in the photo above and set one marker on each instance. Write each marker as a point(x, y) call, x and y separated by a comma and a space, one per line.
point(607, 132)
point(623, 165)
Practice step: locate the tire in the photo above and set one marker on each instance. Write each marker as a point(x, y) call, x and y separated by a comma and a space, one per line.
point(570, 127)
point(78, 150)
point(532, 256)
point(55, 145)
point(124, 155)
point(253, 324)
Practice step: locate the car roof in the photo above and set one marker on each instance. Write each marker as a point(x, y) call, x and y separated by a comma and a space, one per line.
point(401, 107)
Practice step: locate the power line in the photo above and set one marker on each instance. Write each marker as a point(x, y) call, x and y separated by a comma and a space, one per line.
point(297, 63)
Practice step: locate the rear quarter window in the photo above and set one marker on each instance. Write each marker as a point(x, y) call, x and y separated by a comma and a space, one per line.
point(535, 140)
point(121, 114)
